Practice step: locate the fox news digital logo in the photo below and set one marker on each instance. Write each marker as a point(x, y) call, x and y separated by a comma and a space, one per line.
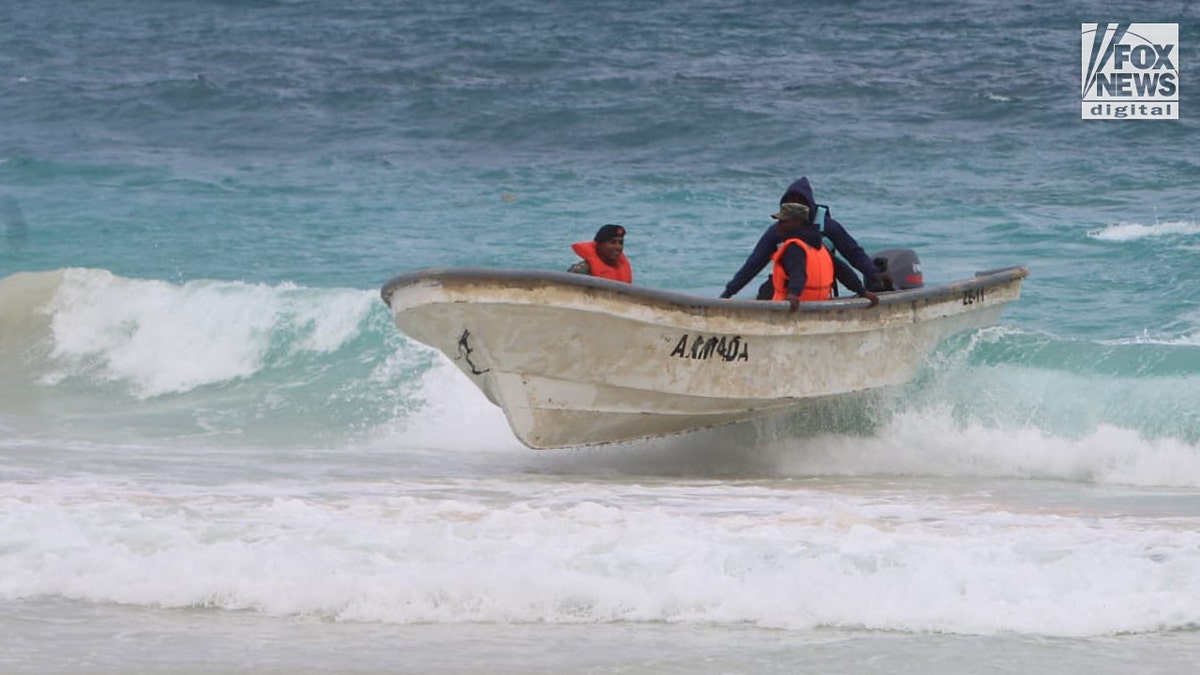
point(1130, 71)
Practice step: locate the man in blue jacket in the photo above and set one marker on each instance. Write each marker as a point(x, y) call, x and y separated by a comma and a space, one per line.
point(800, 192)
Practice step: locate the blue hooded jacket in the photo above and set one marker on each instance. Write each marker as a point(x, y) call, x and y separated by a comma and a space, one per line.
point(800, 192)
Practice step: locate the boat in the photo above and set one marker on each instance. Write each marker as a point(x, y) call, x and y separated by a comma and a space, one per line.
point(574, 360)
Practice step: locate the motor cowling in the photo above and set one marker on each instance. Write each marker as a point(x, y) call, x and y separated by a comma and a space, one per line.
point(897, 269)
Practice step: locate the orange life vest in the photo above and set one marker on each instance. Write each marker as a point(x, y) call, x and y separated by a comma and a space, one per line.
point(819, 268)
point(622, 271)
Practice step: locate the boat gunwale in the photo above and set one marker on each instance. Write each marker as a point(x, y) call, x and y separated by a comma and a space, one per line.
point(932, 292)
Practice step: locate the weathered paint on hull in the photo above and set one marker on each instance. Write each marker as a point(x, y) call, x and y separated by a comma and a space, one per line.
point(574, 360)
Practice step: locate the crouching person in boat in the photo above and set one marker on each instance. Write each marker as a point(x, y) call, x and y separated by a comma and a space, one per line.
point(800, 192)
point(804, 269)
point(604, 256)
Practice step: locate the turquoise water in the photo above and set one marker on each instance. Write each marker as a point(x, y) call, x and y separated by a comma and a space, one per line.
point(200, 200)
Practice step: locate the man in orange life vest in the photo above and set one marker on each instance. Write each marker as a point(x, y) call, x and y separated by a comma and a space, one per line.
point(804, 268)
point(800, 192)
point(604, 256)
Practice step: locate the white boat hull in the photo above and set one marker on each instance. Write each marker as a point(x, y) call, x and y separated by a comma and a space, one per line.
point(574, 360)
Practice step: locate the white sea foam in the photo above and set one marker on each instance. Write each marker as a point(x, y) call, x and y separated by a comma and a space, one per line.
point(1192, 340)
point(480, 550)
point(447, 411)
point(159, 338)
point(933, 443)
point(1134, 231)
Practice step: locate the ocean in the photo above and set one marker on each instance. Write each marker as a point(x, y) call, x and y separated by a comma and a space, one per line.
point(218, 453)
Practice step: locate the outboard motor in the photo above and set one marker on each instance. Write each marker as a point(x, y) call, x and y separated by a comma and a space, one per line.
point(898, 269)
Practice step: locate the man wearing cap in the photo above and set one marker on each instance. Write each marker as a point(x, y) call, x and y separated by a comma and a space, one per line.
point(804, 268)
point(604, 256)
point(800, 192)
